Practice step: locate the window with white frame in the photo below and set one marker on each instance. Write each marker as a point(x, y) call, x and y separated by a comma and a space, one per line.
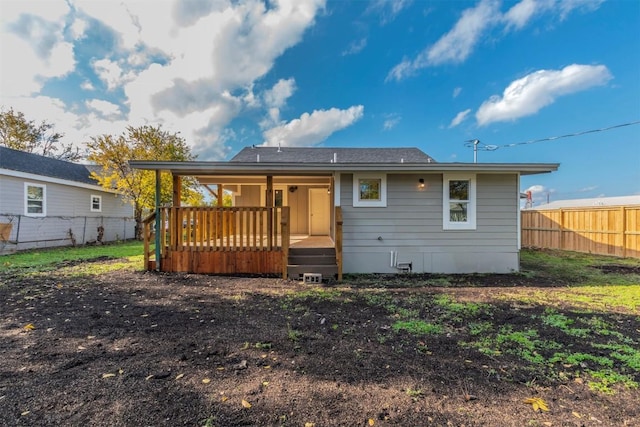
point(459, 202)
point(35, 199)
point(96, 203)
point(369, 190)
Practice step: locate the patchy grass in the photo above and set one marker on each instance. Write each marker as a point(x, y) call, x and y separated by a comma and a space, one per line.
point(40, 260)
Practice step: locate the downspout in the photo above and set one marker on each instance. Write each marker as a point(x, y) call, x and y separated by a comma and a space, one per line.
point(158, 221)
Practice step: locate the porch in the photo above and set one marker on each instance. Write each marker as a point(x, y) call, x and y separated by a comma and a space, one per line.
point(237, 240)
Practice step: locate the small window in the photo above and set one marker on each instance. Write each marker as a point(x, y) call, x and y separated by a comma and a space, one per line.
point(96, 203)
point(459, 202)
point(35, 199)
point(369, 190)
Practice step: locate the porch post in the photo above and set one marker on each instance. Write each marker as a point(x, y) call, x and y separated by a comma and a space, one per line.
point(220, 195)
point(177, 190)
point(158, 222)
point(269, 204)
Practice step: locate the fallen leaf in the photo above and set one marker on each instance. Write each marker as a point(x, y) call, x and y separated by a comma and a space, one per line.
point(371, 421)
point(575, 414)
point(224, 398)
point(25, 413)
point(81, 347)
point(179, 376)
point(537, 404)
point(265, 383)
point(221, 368)
point(148, 377)
point(578, 380)
point(120, 371)
point(206, 380)
point(108, 375)
point(246, 404)
point(29, 327)
point(90, 337)
point(309, 425)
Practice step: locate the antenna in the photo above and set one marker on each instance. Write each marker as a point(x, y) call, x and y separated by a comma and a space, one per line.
point(279, 150)
point(477, 145)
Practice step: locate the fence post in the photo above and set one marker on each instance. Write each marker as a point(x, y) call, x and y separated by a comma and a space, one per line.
point(623, 227)
point(561, 225)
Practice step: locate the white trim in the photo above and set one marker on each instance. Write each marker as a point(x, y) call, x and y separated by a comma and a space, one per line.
point(470, 224)
point(99, 203)
point(26, 199)
point(50, 180)
point(382, 203)
point(336, 189)
point(519, 214)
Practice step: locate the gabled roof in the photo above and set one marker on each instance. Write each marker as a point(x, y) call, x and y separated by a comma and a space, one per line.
point(331, 155)
point(36, 164)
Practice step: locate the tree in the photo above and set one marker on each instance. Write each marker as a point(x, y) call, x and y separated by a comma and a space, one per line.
point(113, 153)
point(25, 135)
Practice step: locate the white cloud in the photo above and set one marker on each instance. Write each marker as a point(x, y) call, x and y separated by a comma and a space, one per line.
point(276, 97)
point(311, 129)
point(388, 9)
point(355, 47)
point(457, 44)
point(568, 6)
point(391, 121)
point(78, 28)
point(87, 85)
point(457, 92)
point(459, 118)
point(109, 72)
point(526, 96)
point(520, 14)
point(33, 38)
point(588, 189)
point(105, 109)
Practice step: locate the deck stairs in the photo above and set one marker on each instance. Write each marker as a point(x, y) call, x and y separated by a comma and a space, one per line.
point(312, 260)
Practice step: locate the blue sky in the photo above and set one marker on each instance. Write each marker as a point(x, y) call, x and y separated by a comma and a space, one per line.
point(428, 74)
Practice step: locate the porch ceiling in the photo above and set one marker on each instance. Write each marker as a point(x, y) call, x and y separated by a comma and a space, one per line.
point(261, 180)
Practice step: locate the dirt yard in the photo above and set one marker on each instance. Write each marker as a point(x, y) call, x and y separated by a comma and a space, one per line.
point(128, 348)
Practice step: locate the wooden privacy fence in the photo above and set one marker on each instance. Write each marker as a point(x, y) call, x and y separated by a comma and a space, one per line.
point(604, 230)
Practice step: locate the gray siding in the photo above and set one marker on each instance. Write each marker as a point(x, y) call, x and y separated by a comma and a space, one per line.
point(67, 208)
point(411, 224)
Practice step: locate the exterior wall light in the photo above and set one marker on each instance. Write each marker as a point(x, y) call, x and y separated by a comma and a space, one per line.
point(421, 183)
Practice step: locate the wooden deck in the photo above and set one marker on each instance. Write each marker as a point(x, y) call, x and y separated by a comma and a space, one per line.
point(225, 240)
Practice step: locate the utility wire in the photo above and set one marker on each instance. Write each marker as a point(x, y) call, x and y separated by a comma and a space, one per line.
point(552, 138)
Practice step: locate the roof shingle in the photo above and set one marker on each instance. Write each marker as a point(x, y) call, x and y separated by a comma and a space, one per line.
point(46, 166)
point(328, 154)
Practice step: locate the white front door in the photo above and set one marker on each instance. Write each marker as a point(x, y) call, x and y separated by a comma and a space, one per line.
point(319, 209)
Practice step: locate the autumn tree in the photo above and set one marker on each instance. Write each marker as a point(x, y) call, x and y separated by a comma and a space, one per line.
point(112, 154)
point(26, 135)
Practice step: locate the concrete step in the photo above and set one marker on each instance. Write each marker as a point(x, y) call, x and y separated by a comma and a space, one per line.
point(312, 259)
point(296, 271)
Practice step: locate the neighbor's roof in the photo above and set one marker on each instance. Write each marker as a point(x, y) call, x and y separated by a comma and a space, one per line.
point(36, 164)
point(597, 201)
point(331, 155)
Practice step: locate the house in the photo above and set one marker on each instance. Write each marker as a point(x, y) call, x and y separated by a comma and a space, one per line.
point(48, 202)
point(343, 210)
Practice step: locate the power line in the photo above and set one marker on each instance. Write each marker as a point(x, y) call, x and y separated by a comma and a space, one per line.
point(552, 138)
point(478, 146)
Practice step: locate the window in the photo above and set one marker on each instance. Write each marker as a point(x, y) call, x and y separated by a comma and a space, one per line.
point(35, 199)
point(459, 202)
point(96, 203)
point(369, 190)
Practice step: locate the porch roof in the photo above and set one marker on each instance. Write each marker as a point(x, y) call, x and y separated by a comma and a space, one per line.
point(205, 168)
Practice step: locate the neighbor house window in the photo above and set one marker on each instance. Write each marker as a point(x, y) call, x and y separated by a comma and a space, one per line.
point(96, 203)
point(459, 202)
point(35, 199)
point(369, 190)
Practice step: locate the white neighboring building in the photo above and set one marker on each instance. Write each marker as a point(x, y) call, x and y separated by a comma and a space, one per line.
point(596, 201)
point(50, 202)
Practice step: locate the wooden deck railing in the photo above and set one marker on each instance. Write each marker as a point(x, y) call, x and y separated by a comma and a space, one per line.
point(148, 237)
point(228, 229)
